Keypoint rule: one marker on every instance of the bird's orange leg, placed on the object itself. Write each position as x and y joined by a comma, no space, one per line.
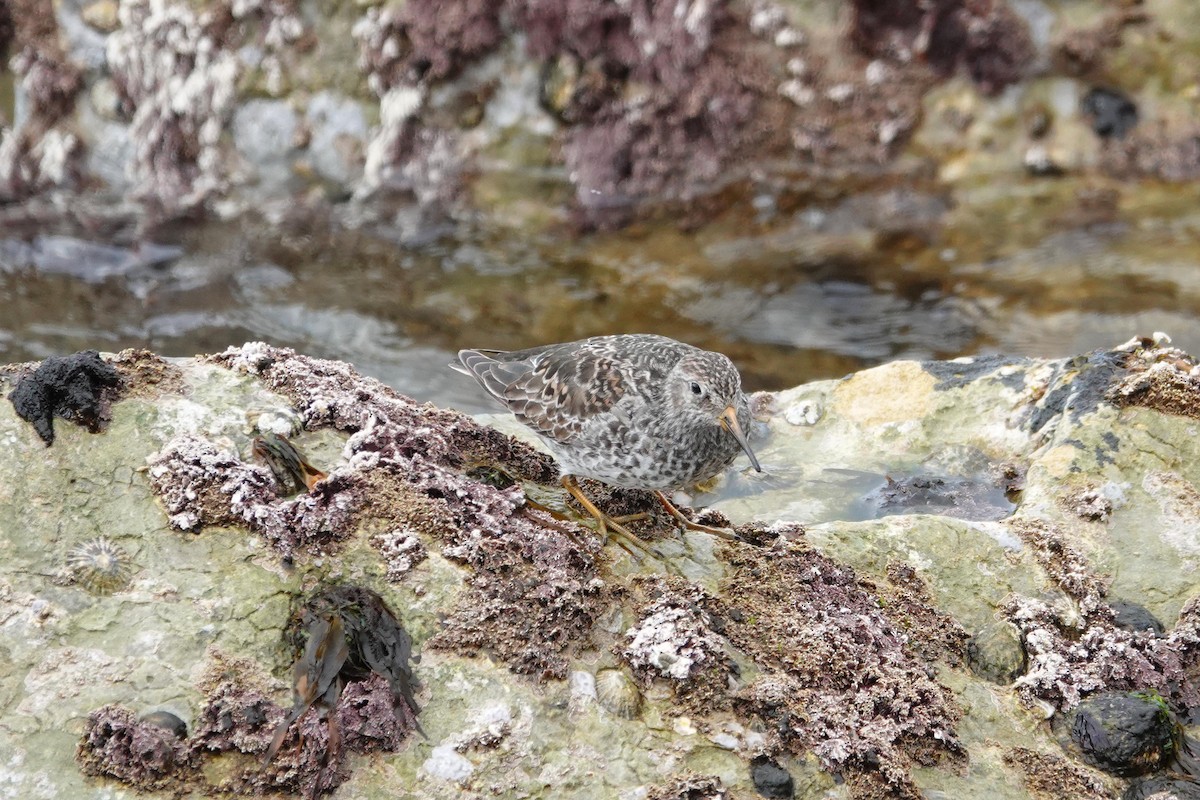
722,533
608,525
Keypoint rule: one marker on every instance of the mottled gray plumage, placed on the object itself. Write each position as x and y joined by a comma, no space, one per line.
639,411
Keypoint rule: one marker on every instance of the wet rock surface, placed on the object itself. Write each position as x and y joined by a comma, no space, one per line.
996,653
1164,788
837,650
1133,617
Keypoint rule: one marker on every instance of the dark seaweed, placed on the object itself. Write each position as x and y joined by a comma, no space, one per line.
71,387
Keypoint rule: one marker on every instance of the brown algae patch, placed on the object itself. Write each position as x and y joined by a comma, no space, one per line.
290,467
837,676
1050,777
535,590
934,636
147,375
353,669
234,730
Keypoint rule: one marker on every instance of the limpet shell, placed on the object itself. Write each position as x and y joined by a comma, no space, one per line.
617,692
100,566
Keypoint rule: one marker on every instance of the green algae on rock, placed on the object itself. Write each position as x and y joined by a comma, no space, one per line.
1125,734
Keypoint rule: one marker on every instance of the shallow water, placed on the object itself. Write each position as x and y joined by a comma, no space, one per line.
791,298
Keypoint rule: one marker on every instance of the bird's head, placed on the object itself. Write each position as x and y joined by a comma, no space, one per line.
707,388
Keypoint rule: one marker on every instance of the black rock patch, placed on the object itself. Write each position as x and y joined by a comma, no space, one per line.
71,387
1112,113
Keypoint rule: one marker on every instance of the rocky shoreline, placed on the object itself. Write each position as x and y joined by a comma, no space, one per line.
965,577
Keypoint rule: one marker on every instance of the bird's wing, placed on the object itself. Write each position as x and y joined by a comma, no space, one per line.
485,366
554,390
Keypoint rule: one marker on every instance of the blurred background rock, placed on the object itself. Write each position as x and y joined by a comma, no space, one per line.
809,186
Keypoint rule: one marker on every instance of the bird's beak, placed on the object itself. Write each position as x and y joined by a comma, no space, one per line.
728,421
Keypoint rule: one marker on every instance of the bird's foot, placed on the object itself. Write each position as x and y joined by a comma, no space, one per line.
613,528
613,531
723,533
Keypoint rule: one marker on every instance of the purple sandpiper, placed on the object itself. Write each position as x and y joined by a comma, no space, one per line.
637,410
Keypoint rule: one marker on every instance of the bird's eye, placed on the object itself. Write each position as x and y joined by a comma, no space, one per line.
696,388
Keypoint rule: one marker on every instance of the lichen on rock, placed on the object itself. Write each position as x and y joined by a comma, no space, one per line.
1071,657
674,638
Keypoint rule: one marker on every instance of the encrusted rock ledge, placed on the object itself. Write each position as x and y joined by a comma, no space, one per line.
961,572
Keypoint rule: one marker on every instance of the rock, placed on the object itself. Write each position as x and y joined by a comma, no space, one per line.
771,780
996,653
1161,787
1113,113
1122,734
1039,162
105,99
339,137
101,15
265,133
446,764
111,152
1133,617
809,647
167,721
